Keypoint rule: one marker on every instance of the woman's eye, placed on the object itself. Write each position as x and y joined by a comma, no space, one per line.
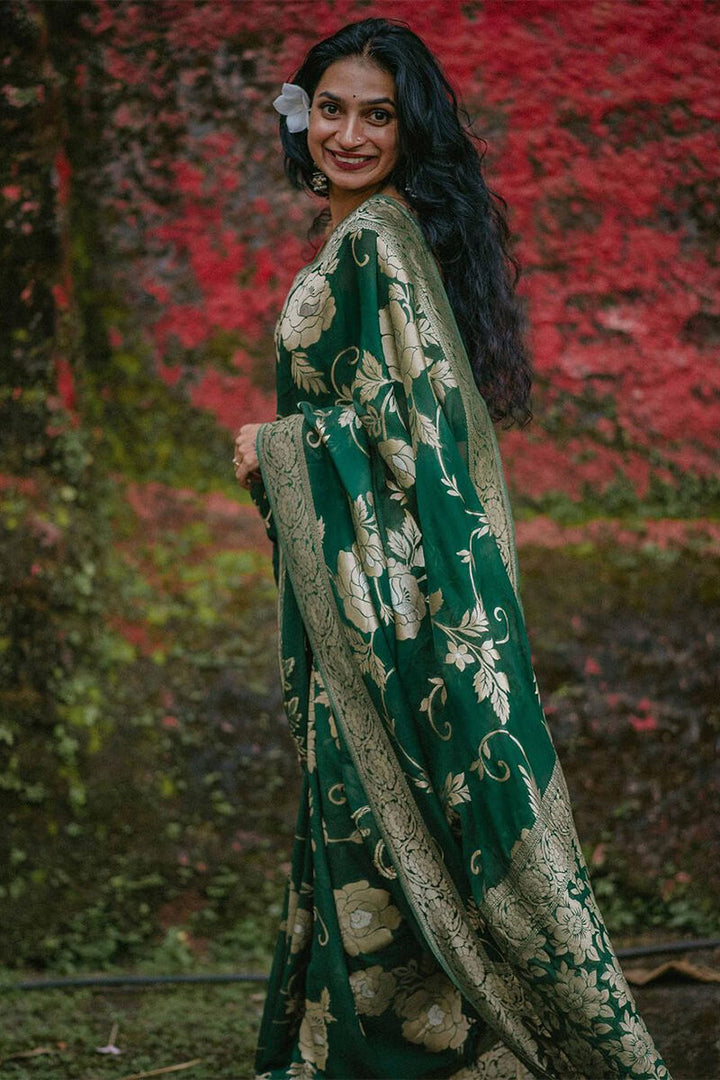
329,109
380,116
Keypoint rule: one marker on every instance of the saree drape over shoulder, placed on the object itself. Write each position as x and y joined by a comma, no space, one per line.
439,921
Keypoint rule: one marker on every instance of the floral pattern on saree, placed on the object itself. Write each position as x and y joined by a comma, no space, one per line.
450,901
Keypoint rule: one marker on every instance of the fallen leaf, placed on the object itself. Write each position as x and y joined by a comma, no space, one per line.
697,972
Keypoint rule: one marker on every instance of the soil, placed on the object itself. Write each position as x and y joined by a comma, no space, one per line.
684,1018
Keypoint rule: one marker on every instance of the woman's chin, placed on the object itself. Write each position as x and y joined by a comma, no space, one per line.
354,185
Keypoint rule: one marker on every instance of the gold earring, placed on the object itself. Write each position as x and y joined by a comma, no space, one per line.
319,182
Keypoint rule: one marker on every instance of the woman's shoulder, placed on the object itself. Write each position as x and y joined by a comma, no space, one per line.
385,215
386,210
378,213
379,224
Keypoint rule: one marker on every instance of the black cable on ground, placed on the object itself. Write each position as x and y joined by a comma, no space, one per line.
73,981
669,947
130,980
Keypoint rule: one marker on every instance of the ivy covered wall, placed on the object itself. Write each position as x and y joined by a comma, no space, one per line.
601,123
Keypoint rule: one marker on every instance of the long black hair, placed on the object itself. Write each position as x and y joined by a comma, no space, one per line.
439,170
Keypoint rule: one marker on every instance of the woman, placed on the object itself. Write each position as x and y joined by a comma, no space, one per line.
439,921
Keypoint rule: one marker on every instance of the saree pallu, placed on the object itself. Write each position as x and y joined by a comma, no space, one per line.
439,921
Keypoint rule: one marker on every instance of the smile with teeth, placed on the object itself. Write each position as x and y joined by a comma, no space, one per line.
350,161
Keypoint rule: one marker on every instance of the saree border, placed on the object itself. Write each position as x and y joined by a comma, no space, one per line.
492,989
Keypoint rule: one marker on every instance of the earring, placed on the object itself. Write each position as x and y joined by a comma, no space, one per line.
319,182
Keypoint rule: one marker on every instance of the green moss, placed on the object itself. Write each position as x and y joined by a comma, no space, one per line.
152,1031
150,432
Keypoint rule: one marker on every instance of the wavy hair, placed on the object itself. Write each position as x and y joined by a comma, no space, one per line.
439,170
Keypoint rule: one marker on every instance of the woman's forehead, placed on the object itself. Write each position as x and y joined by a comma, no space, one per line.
356,77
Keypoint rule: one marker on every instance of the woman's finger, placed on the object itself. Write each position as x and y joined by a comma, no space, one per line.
244,474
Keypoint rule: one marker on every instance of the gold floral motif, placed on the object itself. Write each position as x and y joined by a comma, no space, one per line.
370,663
301,930
291,702
301,1070
496,1064
454,792
305,375
406,542
295,1002
574,931
373,990
515,924
636,1050
596,1064
410,357
403,262
428,705
308,313
425,430
370,378
408,602
318,692
441,377
373,422
312,1038
366,917
298,924
391,261
581,996
351,584
399,458
367,535
406,262
491,683
387,339
618,986
469,643
433,1015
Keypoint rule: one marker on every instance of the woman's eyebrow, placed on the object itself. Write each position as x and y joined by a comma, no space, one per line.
368,101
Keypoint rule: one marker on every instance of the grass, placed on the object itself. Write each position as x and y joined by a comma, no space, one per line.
215,1026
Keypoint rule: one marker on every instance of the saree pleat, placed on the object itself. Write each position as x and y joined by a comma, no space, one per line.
439,904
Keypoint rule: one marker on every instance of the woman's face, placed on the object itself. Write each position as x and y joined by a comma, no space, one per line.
353,133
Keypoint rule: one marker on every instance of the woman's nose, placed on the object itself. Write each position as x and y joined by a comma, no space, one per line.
350,133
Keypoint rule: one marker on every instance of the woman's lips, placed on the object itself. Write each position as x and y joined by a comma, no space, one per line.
349,162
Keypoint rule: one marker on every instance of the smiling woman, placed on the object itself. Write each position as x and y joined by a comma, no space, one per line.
439,920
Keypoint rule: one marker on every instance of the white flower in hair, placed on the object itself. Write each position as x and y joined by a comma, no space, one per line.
294,104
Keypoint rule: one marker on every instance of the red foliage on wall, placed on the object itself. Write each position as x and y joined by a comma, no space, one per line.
65,384
601,121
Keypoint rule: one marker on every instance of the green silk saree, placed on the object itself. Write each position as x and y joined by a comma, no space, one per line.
439,921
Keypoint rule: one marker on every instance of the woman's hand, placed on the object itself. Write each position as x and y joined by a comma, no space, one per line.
247,466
